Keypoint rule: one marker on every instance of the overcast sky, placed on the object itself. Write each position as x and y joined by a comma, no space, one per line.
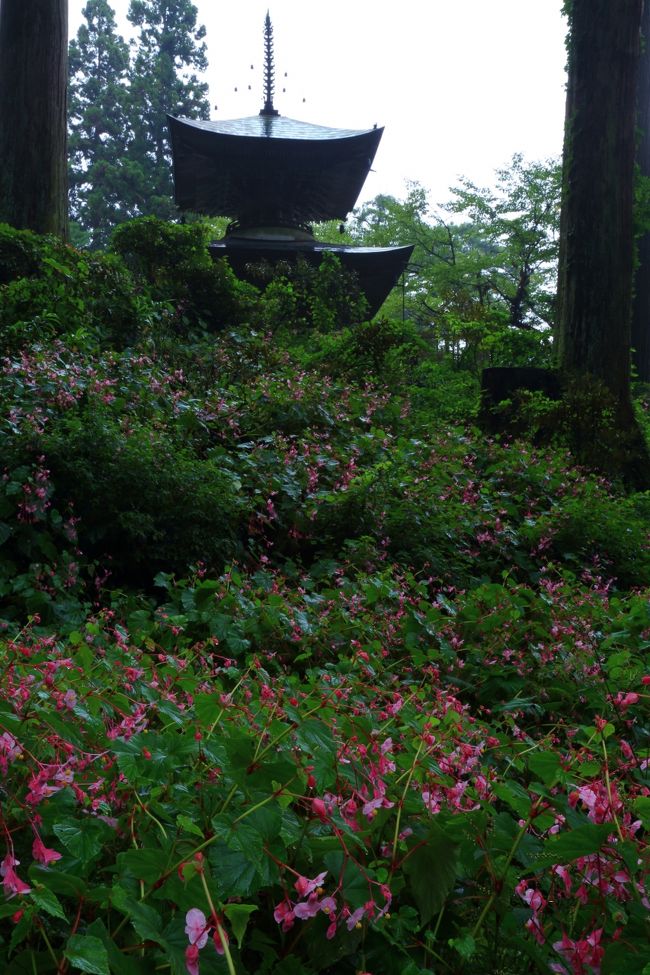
460,85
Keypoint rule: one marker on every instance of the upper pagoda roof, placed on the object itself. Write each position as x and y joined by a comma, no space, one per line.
275,127
268,169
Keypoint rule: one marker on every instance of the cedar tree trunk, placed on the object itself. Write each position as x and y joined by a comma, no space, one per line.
33,83
641,307
597,238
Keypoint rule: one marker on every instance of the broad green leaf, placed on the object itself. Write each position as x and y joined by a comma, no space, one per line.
144,919
49,902
431,871
67,884
234,874
88,954
642,808
187,824
315,739
85,840
546,766
514,795
568,846
622,958
20,931
119,962
239,915
465,946
147,865
354,882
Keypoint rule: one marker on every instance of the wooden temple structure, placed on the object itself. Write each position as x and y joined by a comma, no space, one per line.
275,176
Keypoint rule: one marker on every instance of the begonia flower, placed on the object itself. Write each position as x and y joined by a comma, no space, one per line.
44,854
196,927
192,959
304,886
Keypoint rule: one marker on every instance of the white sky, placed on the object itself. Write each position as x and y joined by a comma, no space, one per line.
460,85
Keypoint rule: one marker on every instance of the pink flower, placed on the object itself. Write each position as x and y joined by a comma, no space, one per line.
220,939
284,915
307,909
196,928
355,918
319,809
10,880
305,886
192,959
43,854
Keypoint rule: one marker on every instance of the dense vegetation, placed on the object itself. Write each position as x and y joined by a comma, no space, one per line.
297,664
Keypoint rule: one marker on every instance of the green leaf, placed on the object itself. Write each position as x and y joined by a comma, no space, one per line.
465,946
20,931
185,823
147,865
579,842
84,841
315,738
119,962
87,953
146,920
515,796
623,958
546,766
49,902
641,807
234,874
238,915
354,883
61,883
431,871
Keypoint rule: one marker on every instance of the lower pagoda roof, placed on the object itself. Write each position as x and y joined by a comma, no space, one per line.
377,268
270,169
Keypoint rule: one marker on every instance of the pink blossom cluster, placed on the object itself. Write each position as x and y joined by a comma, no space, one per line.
311,901
583,956
197,929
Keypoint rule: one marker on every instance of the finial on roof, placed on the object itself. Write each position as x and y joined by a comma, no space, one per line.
269,69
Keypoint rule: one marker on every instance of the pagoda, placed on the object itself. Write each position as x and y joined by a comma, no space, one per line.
273,177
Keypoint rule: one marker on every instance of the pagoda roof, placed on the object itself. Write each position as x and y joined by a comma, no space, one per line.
269,168
377,268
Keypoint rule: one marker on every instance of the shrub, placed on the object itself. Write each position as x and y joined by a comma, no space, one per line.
299,297
173,262
144,502
51,289
19,253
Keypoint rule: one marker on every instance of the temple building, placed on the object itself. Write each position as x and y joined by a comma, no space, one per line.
273,177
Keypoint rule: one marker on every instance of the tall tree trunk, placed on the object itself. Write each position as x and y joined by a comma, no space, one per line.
641,306
33,83
597,245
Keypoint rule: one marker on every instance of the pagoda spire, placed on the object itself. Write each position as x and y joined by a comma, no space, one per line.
269,69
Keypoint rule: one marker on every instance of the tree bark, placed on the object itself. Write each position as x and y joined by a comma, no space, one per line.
33,83
641,305
597,237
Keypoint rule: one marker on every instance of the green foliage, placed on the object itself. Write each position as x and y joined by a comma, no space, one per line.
120,157
19,254
404,732
300,297
173,263
51,289
482,290
144,502
101,167
384,349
